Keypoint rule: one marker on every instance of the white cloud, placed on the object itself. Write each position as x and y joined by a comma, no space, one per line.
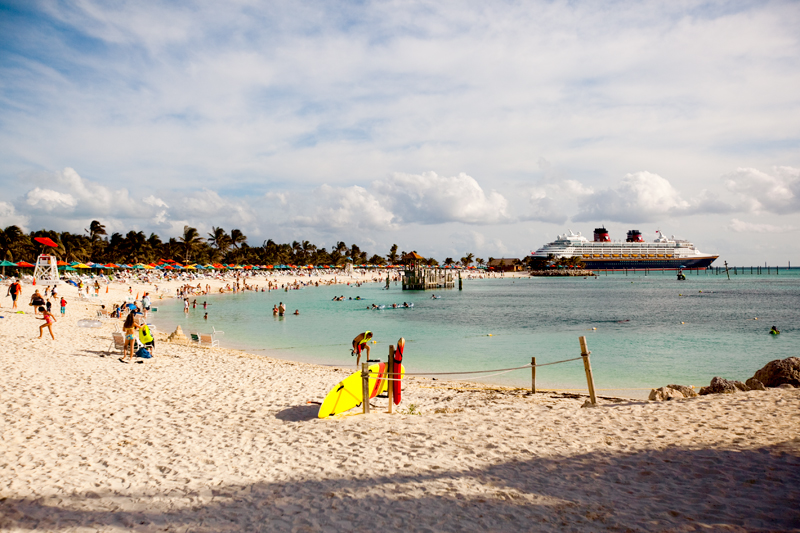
777,191
341,207
740,226
9,216
50,200
155,202
639,197
432,199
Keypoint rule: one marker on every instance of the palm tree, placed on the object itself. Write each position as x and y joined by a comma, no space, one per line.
220,240
237,238
480,261
467,260
191,240
449,261
96,229
392,257
308,250
135,247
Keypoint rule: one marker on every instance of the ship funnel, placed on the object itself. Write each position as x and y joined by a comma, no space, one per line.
601,235
634,235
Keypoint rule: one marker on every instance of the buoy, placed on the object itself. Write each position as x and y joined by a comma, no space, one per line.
683,322
756,318
489,335
594,329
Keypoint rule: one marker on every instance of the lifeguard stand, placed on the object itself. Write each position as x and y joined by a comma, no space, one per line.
46,270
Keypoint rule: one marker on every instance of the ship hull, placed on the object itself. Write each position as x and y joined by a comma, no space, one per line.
694,263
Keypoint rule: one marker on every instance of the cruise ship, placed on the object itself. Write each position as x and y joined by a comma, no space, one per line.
634,252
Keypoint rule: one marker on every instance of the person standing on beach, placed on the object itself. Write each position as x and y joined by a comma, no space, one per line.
63,306
36,301
129,330
145,304
49,320
15,291
359,343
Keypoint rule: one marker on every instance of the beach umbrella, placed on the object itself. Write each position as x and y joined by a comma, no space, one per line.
24,264
46,241
5,263
61,263
66,268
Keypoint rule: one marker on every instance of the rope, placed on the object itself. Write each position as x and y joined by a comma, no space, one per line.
502,370
497,372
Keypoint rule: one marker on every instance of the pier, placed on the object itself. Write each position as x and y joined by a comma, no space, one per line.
420,278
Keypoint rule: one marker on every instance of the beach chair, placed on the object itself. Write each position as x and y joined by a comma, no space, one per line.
215,332
208,339
118,342
195,337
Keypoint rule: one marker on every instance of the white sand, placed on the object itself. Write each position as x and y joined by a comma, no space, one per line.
204,439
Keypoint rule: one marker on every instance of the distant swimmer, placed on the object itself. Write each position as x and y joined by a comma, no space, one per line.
297,311
774,331
359,343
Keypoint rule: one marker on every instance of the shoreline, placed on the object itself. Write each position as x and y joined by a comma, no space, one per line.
217,439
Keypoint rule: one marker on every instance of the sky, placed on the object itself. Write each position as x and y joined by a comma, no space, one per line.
445,127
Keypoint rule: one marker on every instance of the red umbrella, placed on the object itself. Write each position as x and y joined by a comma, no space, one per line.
46,241
23,264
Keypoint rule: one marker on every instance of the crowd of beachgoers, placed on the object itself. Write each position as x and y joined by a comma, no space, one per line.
215,439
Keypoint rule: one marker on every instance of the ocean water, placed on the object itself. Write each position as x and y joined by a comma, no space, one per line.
651,330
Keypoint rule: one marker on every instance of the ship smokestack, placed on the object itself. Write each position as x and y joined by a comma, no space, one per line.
601,235
634,235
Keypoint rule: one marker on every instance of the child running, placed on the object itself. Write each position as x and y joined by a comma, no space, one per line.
49,320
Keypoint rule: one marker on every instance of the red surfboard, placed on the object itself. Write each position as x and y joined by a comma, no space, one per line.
397,368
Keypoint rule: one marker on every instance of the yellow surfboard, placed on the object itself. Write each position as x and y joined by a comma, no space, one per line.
347,393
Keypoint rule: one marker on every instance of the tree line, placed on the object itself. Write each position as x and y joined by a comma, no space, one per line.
219,246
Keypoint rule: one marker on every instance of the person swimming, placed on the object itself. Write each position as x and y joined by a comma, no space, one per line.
774,331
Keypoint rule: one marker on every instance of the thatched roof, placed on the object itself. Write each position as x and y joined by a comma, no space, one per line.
505,261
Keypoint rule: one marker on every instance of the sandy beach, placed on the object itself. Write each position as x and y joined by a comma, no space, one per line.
202,439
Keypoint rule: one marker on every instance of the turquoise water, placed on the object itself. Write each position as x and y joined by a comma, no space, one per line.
651,330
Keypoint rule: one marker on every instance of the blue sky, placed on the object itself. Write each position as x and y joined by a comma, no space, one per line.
445,127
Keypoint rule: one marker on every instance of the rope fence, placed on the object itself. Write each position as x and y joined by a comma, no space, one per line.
390,376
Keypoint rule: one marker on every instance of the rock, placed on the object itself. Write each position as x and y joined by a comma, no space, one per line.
177,335
785,386
719,386
780,371
665,393
688,392
741,386
754,384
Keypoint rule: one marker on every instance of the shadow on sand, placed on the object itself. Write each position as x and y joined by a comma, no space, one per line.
674,489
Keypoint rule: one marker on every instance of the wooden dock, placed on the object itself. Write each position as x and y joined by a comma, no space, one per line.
419,278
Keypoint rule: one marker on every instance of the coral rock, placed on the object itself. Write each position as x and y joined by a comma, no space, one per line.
665,393
719,386
688,392
754,384
780,371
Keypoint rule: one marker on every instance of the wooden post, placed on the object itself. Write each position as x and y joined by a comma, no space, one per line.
533,375
588,367
389,375
365,387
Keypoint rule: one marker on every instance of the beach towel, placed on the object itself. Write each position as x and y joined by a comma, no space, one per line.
143,353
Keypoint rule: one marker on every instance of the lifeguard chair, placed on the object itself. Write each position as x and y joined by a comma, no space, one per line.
46,270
